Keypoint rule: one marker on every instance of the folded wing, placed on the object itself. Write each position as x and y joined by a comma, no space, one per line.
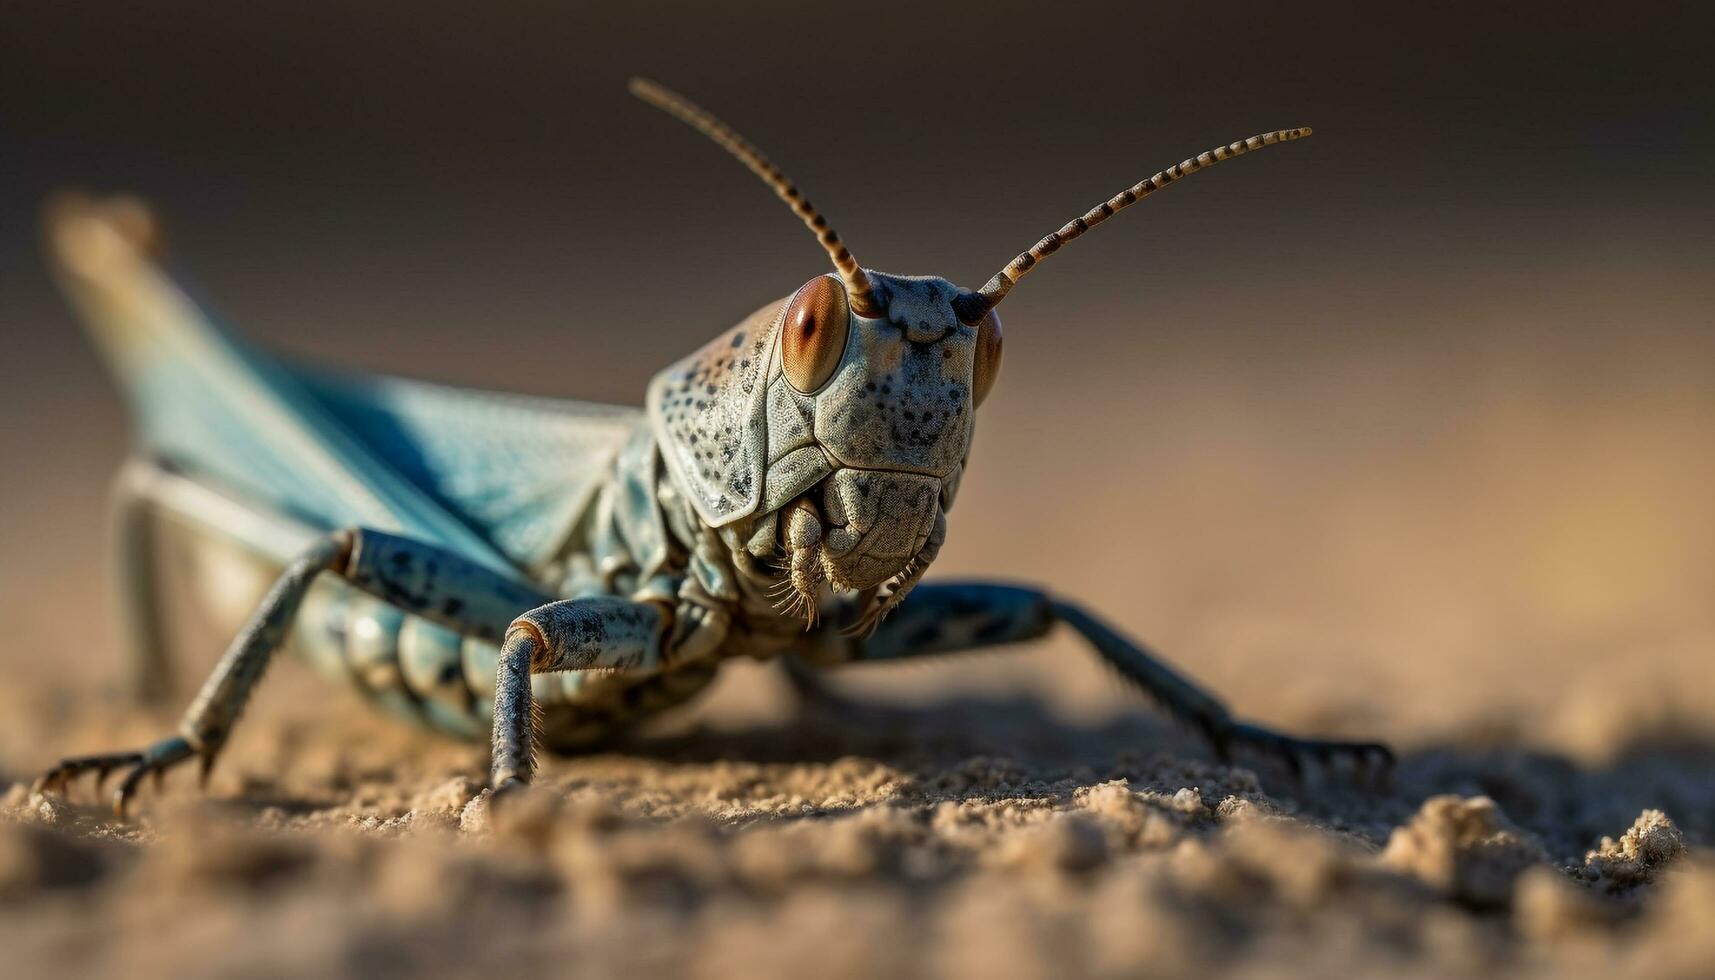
498,478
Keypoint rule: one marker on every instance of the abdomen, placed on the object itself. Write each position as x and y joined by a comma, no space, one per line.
429,675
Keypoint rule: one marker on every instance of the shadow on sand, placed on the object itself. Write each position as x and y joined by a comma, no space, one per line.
1568,806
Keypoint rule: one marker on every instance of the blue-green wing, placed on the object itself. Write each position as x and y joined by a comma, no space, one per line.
520,470
490,476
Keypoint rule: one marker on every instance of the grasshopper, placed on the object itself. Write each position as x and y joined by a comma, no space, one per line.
539,571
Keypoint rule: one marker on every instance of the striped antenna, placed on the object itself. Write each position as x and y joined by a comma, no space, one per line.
996,289
857,283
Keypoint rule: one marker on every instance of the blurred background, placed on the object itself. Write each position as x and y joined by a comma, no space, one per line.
1402,430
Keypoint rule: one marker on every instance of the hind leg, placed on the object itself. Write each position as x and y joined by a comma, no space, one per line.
223,696
136,565
148,500
467,598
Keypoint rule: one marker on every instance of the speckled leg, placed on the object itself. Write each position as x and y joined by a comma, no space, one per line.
574,634
945,618
222,698
423,579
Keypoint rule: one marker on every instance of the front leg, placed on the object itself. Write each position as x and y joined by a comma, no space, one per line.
598,633
948,618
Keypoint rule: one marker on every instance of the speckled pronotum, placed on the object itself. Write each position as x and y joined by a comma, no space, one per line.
539,571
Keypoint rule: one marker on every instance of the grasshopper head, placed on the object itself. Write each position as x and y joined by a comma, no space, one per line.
845,432
837,420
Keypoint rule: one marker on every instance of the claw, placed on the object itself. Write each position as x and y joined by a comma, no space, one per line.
1385,759
58,779
1378,761
153,761
1294,753
128,788
506,793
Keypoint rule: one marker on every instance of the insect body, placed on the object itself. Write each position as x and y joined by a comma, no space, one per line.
535,569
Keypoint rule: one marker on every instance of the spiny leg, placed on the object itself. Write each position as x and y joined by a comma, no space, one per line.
947,618
1182,698
599,633
426,580
223,696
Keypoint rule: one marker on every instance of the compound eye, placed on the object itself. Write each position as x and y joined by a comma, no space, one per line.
817,321
987,367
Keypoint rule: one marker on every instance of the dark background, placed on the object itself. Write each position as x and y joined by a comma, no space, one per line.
1426,398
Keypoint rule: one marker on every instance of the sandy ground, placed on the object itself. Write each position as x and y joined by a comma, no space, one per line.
1499,562
976,837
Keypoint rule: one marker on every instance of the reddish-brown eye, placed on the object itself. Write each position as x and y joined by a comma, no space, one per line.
987,368
817,321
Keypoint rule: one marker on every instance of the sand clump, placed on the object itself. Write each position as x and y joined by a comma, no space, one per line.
1647,847
1464,849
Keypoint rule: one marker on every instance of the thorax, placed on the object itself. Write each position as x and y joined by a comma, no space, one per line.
642,539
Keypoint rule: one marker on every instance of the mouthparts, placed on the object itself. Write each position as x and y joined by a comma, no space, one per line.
874,533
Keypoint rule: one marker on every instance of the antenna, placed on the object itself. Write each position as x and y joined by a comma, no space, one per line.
857,283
